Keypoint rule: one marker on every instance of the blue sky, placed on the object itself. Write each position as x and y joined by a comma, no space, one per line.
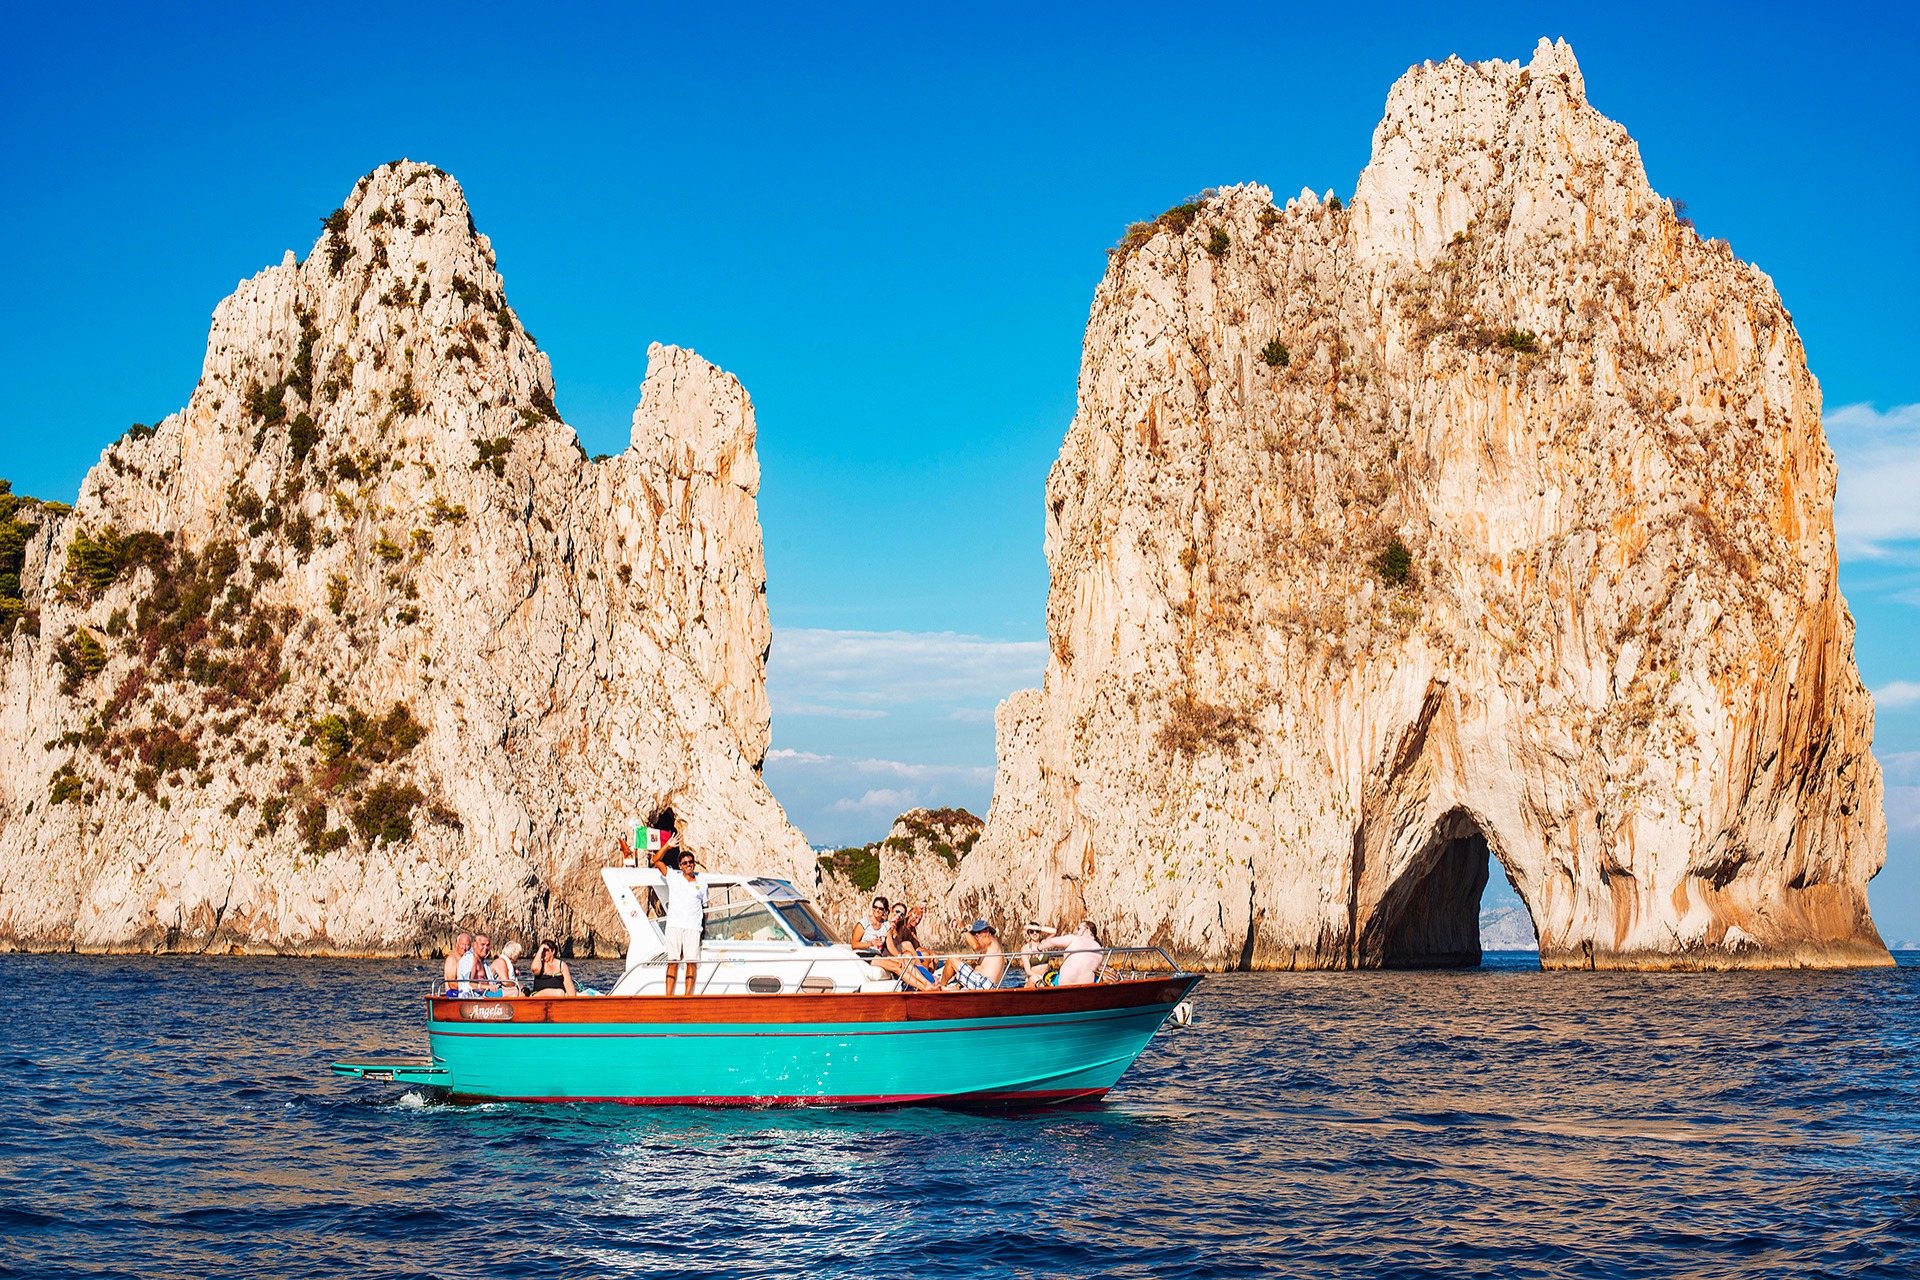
888,223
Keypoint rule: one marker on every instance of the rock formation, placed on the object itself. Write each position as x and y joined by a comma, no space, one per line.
359,646
916,862
1491,511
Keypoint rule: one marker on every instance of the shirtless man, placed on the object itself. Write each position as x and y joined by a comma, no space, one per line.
1082,962
475,968
977,975
461,945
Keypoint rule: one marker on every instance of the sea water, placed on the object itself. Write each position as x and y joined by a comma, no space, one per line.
175,1117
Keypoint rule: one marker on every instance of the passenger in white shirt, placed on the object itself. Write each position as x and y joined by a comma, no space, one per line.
686,894
476,970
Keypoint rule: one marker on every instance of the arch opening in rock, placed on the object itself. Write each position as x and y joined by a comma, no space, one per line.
1431,916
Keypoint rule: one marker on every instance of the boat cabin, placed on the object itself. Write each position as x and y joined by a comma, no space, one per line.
762,937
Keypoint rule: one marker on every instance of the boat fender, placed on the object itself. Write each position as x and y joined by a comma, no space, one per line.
1182,1015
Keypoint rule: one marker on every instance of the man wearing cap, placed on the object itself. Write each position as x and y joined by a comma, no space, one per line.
982,974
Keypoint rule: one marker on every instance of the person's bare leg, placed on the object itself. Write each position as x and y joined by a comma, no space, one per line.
673,976
690,968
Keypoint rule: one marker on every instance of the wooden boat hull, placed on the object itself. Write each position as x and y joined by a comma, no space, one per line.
1013,1047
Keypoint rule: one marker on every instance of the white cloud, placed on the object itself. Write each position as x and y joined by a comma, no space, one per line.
1877,506
1901,771
1897,695
1903,808
884,802
832,713
847,703
890,768
864,669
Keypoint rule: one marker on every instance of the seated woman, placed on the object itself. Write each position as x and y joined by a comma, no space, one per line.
1034,963
905,958
870,931
549,974
504,973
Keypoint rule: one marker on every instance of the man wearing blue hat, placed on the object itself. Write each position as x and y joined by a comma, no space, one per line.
983,974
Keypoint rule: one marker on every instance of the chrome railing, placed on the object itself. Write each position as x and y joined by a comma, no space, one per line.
1117,964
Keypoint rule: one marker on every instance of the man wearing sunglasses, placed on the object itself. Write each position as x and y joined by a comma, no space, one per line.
685,891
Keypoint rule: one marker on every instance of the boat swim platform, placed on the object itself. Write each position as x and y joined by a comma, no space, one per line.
409,1071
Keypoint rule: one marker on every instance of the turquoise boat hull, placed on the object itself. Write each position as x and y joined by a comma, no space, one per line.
1013,1047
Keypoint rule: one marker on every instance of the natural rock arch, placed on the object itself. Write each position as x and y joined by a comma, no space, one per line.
1429,917
1493,491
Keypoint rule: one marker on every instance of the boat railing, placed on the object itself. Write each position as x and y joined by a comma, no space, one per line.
1117,964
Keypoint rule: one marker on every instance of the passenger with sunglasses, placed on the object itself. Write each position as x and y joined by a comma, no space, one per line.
870,931
686,915
903,944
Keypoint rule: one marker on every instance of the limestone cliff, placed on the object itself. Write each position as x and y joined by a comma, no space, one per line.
359,646
1490,511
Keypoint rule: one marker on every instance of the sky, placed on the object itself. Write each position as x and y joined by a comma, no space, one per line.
888,223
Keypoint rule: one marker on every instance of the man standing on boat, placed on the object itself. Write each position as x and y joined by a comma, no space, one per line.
685,891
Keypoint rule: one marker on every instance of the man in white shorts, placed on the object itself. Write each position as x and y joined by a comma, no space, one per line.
686,893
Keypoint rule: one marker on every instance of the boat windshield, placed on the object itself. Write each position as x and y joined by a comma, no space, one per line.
778,890
739,913
800,918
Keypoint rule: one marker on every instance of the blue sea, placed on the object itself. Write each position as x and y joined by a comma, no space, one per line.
174,1117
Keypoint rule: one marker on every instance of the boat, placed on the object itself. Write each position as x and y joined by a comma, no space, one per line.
786,1014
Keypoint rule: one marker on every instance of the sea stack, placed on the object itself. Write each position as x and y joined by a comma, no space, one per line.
1490,511
359,646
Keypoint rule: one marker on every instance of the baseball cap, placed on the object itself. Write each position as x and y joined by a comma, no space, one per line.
979,926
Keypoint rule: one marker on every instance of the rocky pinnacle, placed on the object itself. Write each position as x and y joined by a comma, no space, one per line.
1490,512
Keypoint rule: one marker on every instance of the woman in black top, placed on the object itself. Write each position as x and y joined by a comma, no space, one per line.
549,973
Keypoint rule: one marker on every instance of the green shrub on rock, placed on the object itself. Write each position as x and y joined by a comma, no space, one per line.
81,657
1394,564
493,454
385,813
859,865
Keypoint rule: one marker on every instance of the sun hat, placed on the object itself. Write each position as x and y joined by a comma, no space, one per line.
979,926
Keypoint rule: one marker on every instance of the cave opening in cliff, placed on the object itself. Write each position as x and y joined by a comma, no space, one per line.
1430,918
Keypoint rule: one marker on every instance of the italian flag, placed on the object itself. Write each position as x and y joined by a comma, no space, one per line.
652,839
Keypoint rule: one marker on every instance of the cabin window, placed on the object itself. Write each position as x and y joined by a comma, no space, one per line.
744,920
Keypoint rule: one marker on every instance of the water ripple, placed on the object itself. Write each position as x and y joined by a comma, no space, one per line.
173,1116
